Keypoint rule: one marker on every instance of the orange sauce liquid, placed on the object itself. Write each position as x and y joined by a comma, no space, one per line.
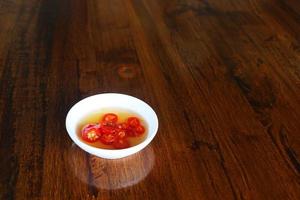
95,117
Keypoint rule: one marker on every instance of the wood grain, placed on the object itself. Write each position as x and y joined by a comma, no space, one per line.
222,75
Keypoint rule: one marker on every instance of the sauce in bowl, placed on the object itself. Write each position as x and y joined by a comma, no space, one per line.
112,129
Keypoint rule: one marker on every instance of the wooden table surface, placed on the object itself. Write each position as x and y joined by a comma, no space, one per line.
222,75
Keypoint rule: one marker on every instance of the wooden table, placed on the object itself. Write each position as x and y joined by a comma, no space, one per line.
222,75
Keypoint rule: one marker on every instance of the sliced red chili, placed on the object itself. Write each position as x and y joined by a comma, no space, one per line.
105,129
133,121
108,138
90,132
121,143
121,134
140,130
110,118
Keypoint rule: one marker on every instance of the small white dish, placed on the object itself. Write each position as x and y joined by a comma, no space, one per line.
111,100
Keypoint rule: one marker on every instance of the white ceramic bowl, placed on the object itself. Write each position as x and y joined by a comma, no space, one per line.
111,100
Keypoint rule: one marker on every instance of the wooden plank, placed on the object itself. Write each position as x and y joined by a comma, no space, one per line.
199,73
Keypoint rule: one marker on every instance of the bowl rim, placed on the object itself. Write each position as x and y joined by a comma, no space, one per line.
89,148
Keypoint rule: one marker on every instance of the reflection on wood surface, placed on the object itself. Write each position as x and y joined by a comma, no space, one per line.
112,174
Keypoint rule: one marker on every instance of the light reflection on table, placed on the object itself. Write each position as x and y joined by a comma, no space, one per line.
111,174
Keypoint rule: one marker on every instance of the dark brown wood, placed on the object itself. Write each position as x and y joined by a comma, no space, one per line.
222,75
